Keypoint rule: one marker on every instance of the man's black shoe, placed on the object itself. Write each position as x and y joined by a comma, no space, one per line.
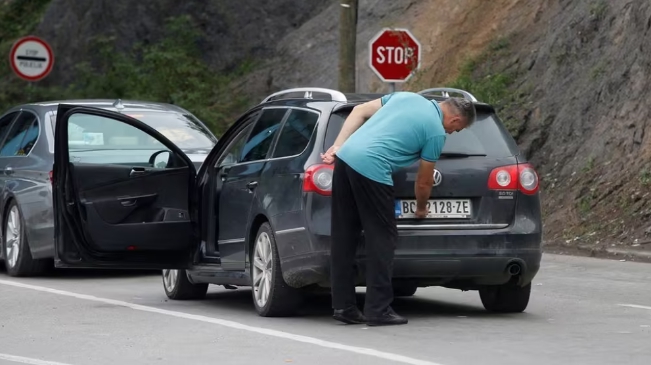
350,315
387,319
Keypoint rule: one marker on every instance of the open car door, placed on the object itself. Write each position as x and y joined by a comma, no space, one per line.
123,193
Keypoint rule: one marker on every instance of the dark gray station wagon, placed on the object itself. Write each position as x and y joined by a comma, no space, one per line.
257,212
27,156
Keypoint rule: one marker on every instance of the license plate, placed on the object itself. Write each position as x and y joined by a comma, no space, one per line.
438,208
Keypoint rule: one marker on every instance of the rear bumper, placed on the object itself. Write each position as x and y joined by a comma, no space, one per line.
458,259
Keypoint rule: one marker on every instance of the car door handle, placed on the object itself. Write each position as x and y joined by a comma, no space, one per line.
252,185
137,171
129,201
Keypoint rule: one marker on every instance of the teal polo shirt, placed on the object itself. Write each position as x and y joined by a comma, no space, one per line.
407,127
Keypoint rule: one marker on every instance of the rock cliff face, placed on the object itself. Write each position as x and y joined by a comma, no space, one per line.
577,74
233,31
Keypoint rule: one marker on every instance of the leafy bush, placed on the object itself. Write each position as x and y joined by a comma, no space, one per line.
171,70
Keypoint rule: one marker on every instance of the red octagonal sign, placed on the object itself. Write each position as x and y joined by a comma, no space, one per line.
395,55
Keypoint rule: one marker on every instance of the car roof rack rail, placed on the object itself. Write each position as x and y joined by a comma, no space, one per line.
446,91
307,94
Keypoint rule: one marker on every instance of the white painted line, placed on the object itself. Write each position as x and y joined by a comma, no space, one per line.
27,360
635,306
227,323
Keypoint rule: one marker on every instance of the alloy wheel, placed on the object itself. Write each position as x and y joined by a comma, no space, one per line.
13,237
169,279
262,269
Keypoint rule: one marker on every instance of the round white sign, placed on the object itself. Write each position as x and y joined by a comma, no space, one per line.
31,58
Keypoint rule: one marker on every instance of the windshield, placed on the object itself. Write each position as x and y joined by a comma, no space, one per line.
486,137
183,130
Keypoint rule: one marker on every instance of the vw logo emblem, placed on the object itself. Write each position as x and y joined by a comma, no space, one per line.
437,177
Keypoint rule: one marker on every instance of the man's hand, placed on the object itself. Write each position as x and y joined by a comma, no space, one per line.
420,214
329,156
423,187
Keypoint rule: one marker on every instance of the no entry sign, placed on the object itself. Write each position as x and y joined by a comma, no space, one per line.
395,55
31,58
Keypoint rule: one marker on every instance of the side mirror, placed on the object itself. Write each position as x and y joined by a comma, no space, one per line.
160,159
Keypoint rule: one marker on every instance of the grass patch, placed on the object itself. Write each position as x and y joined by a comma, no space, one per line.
490,87
598,9
645,177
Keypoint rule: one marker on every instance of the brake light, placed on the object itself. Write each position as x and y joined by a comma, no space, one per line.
51,177
522,177
318,179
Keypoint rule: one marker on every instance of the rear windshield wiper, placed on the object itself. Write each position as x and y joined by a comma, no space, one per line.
461,154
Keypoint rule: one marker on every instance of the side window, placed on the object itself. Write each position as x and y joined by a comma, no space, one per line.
259,141
296,133
233,153
5,123
22,136
96,139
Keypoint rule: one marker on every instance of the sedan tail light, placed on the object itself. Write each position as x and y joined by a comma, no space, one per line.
521,177
318,179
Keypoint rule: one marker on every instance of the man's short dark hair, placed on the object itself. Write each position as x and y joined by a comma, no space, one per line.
464,108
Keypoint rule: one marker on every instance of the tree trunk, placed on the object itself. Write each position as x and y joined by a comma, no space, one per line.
347,45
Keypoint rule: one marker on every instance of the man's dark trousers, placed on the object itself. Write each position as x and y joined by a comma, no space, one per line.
361,203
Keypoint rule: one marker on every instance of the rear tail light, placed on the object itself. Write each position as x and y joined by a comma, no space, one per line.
51,176
522,177
318,179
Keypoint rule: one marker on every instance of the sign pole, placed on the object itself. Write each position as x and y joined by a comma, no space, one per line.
392,87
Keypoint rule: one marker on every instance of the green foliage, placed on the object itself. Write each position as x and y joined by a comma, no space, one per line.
170,71
492,88
18,19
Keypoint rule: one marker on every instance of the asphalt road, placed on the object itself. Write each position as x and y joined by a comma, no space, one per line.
583,311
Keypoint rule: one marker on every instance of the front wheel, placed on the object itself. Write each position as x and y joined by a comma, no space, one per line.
272,297
505,298
178,286
17,254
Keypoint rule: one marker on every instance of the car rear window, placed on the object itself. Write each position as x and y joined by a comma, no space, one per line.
487,136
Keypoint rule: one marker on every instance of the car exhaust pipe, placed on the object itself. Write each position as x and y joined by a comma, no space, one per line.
513,268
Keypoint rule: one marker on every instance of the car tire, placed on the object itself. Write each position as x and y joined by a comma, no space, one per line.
178,287
404,290
505,298
272,297
15,246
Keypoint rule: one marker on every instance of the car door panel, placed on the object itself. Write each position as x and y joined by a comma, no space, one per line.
113,201
121,215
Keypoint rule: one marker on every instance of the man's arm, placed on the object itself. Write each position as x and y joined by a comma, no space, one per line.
360,114
423,186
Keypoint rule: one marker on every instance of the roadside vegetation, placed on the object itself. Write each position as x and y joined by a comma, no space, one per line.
170,70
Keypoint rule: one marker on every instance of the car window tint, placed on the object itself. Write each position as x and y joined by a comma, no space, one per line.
96,139
5,123
259,141
296,133
487,136
22,136
233,153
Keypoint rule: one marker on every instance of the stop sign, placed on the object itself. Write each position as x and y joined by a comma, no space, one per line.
395,55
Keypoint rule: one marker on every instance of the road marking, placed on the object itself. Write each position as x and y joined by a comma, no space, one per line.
27,360
635,306
225,323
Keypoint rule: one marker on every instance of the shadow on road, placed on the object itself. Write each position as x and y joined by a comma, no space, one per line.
90,274
318,306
